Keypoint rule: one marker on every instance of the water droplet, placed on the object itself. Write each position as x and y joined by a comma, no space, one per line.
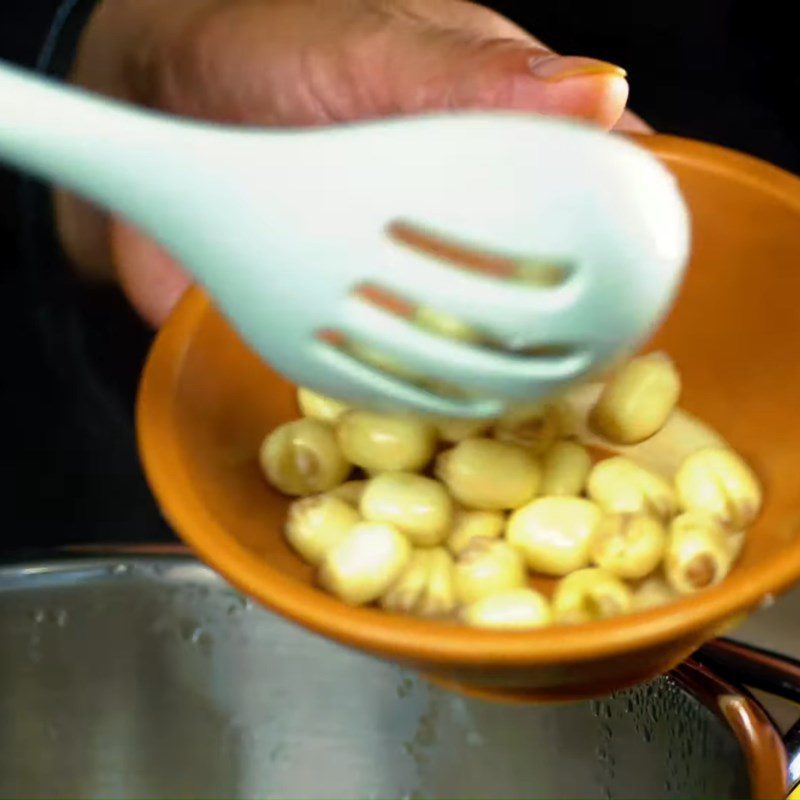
474,739
187,628
120,569
767,600
404,688
202,640
62,616
39,615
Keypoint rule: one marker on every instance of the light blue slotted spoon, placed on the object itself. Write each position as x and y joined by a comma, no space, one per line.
283,228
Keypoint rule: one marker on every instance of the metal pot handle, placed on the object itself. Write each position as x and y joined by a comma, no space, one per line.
767,671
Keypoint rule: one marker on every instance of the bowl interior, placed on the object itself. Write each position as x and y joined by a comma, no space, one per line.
207,401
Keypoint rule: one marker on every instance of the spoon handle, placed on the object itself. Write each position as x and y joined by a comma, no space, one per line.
127,160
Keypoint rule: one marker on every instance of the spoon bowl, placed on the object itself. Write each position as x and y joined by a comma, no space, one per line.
295,233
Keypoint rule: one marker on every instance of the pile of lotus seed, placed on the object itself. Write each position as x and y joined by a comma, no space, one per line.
459,519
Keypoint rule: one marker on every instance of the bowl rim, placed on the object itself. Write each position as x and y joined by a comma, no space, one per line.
410,639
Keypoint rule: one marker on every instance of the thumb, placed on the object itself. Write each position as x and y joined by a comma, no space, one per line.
513,74
507,75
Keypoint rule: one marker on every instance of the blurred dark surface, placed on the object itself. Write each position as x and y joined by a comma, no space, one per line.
714,70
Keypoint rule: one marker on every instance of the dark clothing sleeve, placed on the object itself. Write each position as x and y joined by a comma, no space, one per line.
58,49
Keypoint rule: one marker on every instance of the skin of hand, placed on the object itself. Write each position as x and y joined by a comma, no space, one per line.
302,63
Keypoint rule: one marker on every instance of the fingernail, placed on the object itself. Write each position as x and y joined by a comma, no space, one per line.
559,68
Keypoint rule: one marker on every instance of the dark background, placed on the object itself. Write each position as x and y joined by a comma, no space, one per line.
717,70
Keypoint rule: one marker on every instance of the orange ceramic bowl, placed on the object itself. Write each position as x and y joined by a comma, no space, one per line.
206,402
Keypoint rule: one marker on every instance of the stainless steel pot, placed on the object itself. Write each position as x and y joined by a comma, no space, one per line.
148,676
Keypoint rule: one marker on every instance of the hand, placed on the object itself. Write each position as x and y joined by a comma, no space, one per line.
308,62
